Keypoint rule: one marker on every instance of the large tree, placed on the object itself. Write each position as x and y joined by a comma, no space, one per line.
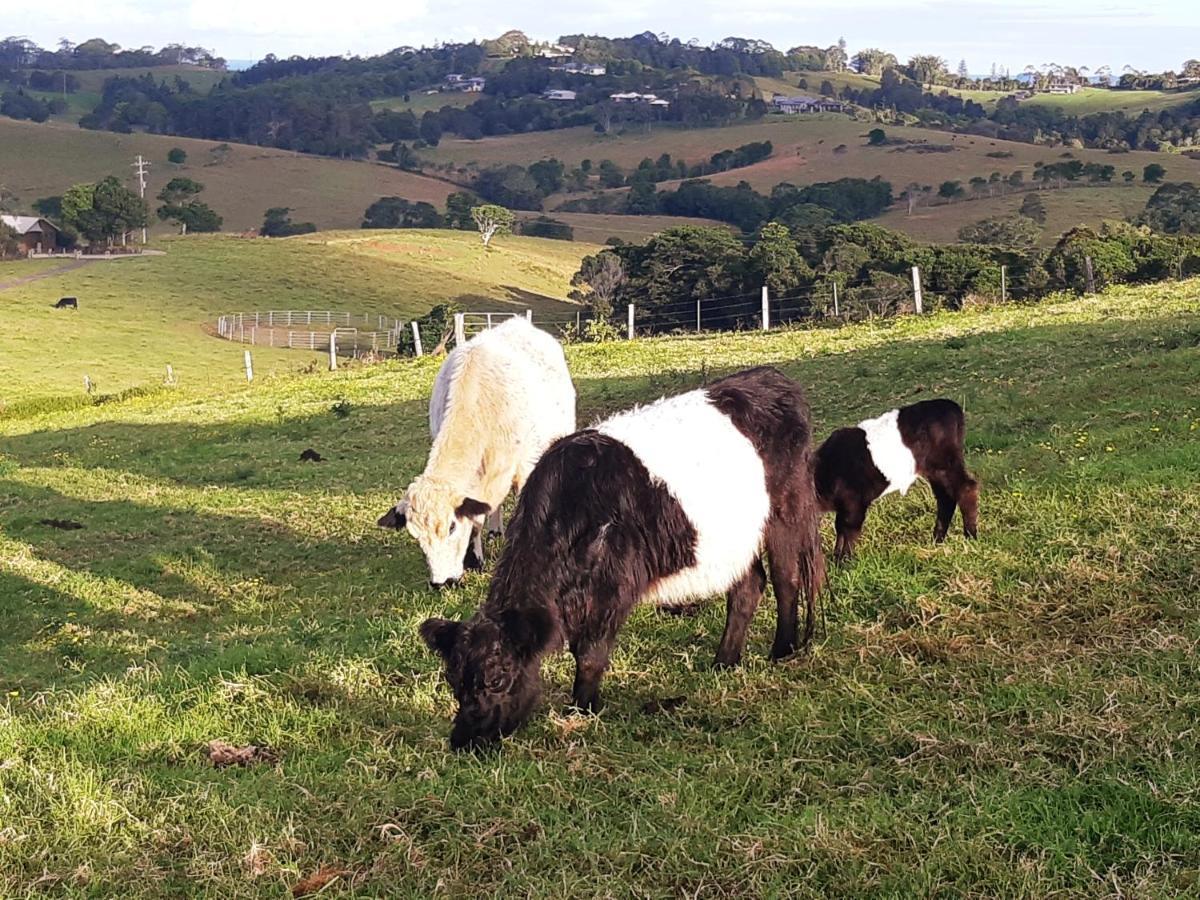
1017,232
103,211
181,206
597,282
775,262
927,69
492,220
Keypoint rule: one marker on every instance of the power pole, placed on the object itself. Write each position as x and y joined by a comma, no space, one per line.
140,166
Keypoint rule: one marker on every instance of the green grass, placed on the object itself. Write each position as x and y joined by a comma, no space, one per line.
1096,100
1009,717
138,316
40,160
420,102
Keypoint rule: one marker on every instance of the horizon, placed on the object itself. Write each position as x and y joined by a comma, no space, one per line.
1018,33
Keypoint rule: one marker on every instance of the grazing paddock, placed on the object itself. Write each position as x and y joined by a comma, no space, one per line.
1011,716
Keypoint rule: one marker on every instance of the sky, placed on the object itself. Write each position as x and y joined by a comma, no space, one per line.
1153,35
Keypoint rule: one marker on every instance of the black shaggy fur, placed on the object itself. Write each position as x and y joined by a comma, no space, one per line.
67,303
847,481
592,531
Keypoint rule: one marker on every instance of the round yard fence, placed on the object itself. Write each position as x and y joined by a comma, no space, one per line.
309,329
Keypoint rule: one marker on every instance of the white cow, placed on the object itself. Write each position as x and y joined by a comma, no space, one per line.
498,402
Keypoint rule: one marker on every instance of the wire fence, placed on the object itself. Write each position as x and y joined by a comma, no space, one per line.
308,329
833,298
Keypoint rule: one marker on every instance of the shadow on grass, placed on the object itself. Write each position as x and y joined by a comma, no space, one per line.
227,576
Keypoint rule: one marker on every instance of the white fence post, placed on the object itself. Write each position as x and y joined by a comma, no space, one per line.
766,310
417,338
1004,283
459,329
630,329
529,315
836,313
249,367
170,375
333,350
916,273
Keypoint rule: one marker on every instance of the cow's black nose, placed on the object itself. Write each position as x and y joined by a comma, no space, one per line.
449,582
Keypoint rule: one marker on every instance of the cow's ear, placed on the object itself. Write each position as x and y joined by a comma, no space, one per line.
471,508
527,630
396,517
440,635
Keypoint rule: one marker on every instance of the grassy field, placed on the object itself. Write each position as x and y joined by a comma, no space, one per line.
136,316
1009,717
420,102
43,160
1096,100
1065,209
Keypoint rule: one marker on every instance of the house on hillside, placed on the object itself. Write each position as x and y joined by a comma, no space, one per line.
557,94
1061,87
805,104
634,97
36,235
459,82
590,69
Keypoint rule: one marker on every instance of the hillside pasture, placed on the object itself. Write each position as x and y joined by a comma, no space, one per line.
40,160
1012,716
1087,101
138,315
1065,209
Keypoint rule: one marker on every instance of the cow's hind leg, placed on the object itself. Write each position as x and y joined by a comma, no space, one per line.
591,662
945,494
968,502
741,603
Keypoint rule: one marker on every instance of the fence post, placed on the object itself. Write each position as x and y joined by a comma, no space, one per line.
1004,284
249,367
489,319
529,315
1091,275
170,375
697,315
836,313
459,330
916,273
88,387
766,310
630,328
578,322
333,350
417,337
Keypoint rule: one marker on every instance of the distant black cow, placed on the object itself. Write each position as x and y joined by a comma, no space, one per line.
664,504
857,466
67,303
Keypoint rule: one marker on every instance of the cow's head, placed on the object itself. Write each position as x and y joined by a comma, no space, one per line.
493,667
441,519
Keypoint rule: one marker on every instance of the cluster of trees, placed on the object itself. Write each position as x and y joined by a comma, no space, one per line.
1174,126
103,212
1173,209
823,203
17,104
277,222
870,265
17,53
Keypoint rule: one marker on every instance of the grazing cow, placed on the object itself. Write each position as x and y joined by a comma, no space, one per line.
67,303
498,401
665,503
857,466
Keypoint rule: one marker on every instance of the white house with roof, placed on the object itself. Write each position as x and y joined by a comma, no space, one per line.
634,97
558,94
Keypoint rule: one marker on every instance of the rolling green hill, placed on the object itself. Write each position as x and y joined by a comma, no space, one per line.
1011,716
240,182
138,315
